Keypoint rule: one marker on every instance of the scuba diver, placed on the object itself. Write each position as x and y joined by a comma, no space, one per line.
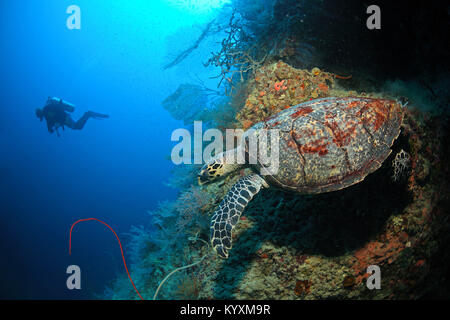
56,113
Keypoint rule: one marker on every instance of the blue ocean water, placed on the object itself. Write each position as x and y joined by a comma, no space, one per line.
113,169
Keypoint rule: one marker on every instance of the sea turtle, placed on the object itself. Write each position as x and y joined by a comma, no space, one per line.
324,145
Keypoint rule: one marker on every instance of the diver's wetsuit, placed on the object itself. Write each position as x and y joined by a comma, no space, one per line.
57,115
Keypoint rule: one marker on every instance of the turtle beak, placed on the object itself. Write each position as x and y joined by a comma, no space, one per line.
203,177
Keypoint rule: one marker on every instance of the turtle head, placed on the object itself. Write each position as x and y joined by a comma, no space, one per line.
209,172
216,168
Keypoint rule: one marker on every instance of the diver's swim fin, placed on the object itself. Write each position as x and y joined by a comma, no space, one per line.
98,115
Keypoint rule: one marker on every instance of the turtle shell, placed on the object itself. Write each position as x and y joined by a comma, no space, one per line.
331,143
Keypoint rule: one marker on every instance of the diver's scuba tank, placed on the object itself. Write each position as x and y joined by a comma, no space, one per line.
54,100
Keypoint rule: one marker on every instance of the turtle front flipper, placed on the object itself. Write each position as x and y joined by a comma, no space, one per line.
230,209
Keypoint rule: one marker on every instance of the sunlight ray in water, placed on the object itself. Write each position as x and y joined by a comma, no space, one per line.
199,6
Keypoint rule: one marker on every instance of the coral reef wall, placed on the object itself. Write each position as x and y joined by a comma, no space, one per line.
292,246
